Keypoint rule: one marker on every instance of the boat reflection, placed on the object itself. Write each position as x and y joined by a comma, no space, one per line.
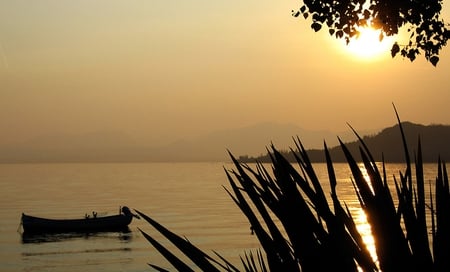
124,235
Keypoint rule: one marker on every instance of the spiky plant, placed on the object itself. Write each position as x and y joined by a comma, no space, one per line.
300,230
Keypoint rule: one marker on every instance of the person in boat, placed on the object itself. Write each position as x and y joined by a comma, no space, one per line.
126,211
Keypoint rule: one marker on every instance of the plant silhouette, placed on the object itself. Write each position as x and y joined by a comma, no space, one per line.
300,229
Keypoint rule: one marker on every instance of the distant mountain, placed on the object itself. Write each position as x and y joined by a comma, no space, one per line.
113,146
251,140
435,143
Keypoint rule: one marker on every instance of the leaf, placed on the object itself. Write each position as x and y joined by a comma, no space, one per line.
331,31
412,54
395,49
366,14
404,52
192,252
434,60
157,268
339,34
347,29
302,9
174,260
419,38
316,26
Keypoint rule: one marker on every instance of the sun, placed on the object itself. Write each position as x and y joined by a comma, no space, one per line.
368,46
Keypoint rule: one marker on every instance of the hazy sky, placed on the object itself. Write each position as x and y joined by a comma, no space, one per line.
162,70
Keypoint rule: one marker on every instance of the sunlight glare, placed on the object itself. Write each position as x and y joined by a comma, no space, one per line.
368,45
366,233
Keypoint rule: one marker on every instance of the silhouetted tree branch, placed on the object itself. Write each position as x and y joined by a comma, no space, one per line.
422,18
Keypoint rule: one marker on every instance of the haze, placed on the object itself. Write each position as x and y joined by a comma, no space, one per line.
161,71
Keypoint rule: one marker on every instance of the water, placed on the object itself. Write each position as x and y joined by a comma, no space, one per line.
188,198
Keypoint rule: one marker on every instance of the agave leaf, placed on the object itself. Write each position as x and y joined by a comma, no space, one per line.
363,144
363,188
391,244
375,180
240,201
303,229
356,247
441,241
246,264
271,248
420,207
305,163
416,226
277,249
433,218
160,269
195,254
251,261
322,243
254,264
175,261
405,145
268,190
331,173
228,266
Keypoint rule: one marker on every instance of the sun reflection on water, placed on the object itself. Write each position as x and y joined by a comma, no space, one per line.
366,232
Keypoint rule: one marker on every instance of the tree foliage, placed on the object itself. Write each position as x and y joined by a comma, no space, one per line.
422,19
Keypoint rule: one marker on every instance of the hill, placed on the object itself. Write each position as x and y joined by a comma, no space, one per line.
250,140
388,143
113,146
118,146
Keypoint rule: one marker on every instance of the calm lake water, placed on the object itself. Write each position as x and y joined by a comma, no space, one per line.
188,198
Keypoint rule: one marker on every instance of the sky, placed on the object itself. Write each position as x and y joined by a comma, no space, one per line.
166,70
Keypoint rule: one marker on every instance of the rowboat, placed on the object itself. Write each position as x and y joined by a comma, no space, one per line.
32,224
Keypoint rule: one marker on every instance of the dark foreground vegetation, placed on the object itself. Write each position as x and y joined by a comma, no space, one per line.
301,229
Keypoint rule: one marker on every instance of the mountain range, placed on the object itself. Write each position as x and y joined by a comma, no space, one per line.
250,141
387,145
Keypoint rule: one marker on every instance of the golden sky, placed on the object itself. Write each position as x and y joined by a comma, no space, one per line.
161,70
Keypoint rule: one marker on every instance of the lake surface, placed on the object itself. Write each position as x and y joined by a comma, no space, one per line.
188,198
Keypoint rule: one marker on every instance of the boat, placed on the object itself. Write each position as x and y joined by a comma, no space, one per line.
90,223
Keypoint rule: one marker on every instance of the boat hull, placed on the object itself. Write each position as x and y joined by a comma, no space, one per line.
32,224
